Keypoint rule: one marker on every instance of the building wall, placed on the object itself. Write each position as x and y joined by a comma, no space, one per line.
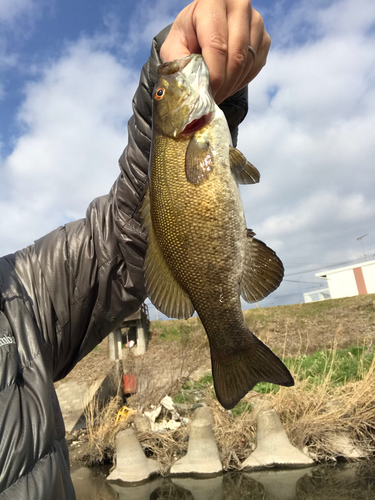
342,284
369,275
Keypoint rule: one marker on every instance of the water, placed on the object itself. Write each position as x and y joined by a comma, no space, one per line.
340,482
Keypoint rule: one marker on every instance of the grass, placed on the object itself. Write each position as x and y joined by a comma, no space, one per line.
176,330
328,347
341,365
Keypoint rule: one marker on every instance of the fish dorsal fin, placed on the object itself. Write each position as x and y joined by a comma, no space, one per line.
263,270
244,171
198,160
162,288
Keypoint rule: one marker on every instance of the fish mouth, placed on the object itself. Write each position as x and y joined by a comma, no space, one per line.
200,100
197,124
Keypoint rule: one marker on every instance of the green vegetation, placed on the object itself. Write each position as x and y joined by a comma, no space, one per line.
338,366
191,391
341,365
335,366
174,331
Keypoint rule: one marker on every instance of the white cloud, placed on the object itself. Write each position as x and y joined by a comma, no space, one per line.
309,131
148,20
17,21
74,120
11,9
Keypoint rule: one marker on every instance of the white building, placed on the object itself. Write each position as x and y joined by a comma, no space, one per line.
357,279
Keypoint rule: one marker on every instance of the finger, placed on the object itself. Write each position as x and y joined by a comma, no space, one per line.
239,21
181,40
257,65
261,42
210,21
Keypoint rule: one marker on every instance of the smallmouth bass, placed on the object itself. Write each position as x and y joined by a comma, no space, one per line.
201,256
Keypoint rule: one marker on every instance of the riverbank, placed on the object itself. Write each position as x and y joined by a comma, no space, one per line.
329,413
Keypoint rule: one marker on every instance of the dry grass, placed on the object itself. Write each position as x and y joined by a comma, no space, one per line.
100,424
311,414
311,417
165,367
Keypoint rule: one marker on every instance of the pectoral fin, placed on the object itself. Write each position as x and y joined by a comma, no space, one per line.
244,171
162,288
237,374
198,160
263,270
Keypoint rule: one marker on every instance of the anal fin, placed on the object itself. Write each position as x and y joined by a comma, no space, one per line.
263,270
243,171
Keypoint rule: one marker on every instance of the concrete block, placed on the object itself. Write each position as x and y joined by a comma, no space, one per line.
132,465
203,455
273,446
279,485
202,489
74,398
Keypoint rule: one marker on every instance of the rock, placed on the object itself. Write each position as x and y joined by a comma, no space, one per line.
273,446
343,445
142,423
203,455
132,465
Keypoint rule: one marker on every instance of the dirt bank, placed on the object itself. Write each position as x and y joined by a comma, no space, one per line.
178,356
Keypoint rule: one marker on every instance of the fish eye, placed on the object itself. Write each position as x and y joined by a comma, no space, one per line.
159,94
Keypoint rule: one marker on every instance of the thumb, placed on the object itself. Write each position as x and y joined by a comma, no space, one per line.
174,47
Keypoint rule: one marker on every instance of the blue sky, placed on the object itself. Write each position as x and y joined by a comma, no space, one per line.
68,71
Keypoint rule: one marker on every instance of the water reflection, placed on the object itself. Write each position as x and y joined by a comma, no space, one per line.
348,482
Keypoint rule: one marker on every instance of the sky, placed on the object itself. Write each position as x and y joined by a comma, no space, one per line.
68,71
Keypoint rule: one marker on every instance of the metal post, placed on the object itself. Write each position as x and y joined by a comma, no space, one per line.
115,344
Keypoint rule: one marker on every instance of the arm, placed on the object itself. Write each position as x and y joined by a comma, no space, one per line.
83,279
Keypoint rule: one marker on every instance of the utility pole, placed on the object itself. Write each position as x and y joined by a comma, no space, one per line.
363,248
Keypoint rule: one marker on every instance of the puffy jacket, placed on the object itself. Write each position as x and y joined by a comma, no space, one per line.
60,297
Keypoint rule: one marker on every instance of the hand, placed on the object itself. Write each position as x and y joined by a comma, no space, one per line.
221,30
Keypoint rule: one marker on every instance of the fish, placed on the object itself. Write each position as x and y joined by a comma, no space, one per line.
201,257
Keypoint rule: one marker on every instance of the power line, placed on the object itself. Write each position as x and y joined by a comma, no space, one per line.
358,259
297,281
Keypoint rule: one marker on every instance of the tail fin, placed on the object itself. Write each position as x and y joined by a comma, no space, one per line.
238,374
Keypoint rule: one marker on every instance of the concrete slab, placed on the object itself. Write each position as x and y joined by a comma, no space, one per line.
273,446
132,465
74,398
203,455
